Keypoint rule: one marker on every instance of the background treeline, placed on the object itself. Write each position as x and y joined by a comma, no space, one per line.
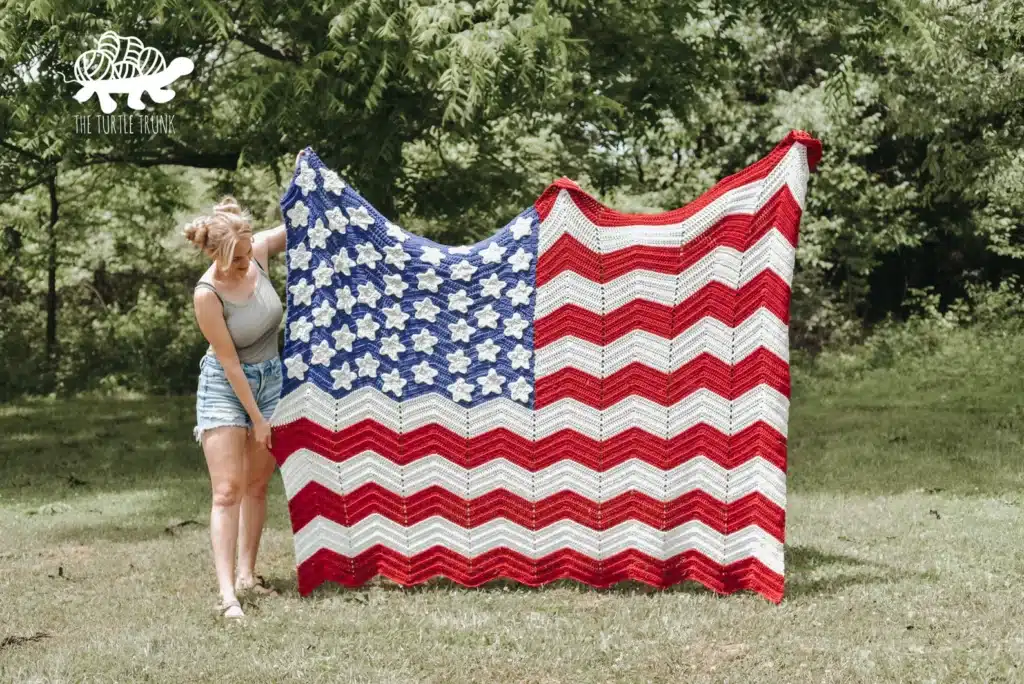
453,116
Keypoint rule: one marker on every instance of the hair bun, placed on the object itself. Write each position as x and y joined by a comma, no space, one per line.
195,231
228,205
218,232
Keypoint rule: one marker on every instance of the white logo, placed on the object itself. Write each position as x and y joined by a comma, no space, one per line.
124,65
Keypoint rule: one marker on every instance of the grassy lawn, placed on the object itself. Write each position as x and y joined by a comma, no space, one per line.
904,559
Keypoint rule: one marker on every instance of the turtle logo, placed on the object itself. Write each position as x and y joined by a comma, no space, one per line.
122,64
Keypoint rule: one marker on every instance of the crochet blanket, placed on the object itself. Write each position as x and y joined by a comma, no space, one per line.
586,394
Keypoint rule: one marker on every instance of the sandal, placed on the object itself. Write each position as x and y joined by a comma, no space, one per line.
259,586
230,609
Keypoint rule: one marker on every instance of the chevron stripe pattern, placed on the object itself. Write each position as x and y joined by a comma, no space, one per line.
586,394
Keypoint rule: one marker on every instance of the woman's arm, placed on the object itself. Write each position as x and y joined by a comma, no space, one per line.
210,316
267,243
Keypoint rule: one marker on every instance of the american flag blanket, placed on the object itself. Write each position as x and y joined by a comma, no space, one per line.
586,394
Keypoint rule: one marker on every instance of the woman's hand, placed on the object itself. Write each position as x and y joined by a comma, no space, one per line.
299,156
261,432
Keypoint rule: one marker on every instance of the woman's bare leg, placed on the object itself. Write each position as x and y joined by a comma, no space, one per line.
224,448
259,468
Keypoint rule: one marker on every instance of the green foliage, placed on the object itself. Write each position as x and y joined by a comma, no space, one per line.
21,333
984,316
452,116
146,347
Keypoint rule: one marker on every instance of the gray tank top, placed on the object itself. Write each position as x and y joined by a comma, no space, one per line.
253,324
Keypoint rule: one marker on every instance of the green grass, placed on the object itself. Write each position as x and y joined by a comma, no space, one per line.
904,558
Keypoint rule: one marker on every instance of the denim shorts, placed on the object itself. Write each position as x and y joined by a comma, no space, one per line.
216,402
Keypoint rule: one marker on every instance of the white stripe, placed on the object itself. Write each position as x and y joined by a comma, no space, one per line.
722,265
707,336
702,406
751,541
566,218
696,474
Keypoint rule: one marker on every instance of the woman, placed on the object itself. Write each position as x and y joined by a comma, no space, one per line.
239,313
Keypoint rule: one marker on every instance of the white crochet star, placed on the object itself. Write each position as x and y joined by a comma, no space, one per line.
520,294
305,178
318,235
520,390
393,382
458,362
343,376
487,317
423,373
424,341
426,310
391,347
368,255
300,329
323,314
459,301
432,256
463,270
367,366
324,274
396,318
298,215
345,300
321,354
522,227
359,216
396,256
491,383
298,257
461,249
461,330
368,295
332,183
492,253
520,261
493,285
519,357
343,262
344,337
395,286
461,390
302,293
487,351
296,367
429,281
395,232
515,326
336,220
367,328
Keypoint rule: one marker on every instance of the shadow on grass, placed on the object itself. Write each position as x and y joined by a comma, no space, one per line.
802,562
179,508
59,449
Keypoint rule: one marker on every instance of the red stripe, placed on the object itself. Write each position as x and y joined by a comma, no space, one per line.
636,379
766,290
749,573
315,500
760,439
603,215
737,231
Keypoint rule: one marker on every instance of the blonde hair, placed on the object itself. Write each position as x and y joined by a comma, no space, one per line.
219,232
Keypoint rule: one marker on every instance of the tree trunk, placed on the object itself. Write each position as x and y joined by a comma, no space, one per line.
51,288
